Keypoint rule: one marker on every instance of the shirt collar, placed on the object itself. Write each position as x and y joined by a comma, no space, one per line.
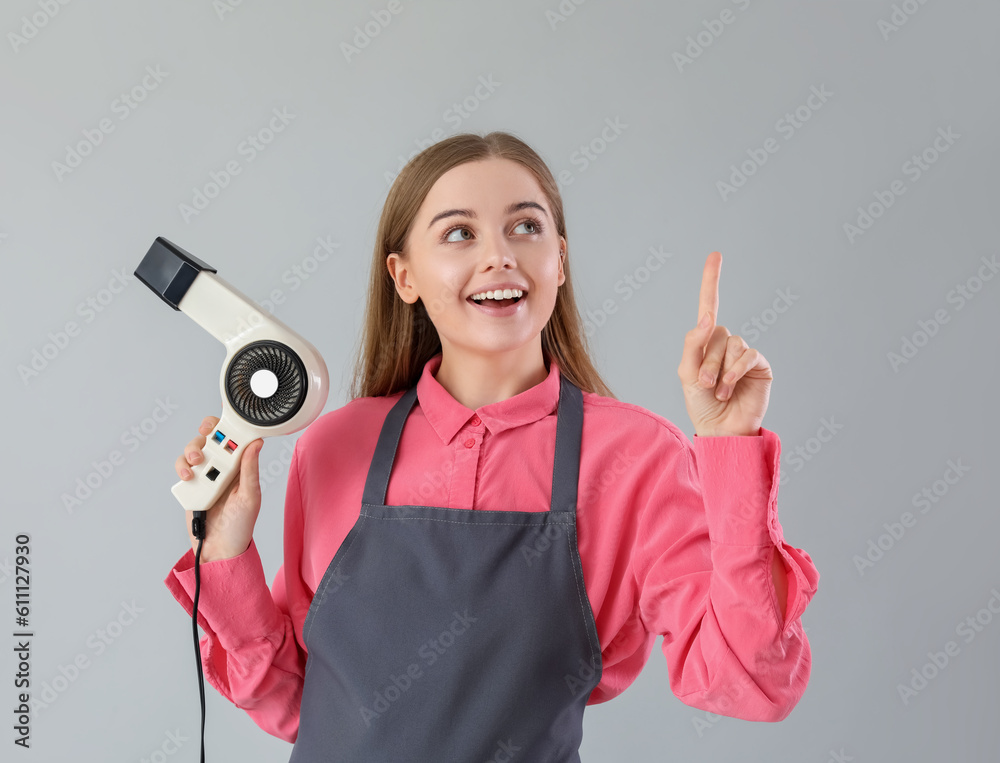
446,415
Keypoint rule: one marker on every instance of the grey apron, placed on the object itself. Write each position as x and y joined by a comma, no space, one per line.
452,635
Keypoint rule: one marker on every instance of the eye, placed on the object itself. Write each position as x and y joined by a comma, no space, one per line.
535,228
447,233
536,225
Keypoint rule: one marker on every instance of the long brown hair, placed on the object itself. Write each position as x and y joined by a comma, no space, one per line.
399,338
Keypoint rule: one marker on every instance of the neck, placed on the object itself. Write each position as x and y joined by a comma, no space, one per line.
476,379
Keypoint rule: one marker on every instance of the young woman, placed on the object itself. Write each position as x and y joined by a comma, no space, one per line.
484,540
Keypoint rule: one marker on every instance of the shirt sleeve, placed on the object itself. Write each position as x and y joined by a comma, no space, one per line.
707,537
250,652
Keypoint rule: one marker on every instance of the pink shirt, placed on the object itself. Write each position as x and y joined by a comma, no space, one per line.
676,539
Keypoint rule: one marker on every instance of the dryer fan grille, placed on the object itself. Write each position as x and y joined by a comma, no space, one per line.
287,367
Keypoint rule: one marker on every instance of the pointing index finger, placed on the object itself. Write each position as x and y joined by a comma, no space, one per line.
709,300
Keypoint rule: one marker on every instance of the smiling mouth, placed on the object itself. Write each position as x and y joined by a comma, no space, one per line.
497,302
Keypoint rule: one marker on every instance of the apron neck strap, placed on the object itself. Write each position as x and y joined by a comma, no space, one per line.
565,469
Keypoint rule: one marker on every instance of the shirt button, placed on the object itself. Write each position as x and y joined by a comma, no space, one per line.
469,443
476,421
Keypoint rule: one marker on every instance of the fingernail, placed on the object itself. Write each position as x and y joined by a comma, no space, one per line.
187,474
708,378
705,320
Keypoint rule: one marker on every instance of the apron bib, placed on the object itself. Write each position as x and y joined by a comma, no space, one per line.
452,635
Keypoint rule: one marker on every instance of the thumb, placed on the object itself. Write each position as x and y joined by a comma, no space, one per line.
250,466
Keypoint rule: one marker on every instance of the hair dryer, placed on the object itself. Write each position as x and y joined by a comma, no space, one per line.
273,381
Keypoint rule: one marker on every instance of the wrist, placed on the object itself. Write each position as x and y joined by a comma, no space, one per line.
722,433
212,553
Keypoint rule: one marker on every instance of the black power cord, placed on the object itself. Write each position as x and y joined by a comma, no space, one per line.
198,530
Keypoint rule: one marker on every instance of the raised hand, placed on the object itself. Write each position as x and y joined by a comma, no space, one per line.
726,383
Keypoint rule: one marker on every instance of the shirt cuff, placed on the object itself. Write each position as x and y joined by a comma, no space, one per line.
235,602
739,477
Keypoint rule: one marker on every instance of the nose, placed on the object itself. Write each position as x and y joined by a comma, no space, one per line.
497,252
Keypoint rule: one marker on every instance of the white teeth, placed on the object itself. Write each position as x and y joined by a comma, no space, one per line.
498,294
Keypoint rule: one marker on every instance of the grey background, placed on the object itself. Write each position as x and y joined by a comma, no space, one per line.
63,239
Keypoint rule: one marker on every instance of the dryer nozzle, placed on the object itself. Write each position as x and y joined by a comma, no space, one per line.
168,270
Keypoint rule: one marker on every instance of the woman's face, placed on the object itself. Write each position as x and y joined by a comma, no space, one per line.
483,223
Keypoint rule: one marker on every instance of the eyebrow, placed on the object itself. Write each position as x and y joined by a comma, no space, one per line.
511,208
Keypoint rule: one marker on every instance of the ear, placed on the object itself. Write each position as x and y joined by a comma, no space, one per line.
401,277
562,259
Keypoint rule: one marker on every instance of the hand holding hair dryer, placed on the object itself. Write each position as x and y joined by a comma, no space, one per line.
273,381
